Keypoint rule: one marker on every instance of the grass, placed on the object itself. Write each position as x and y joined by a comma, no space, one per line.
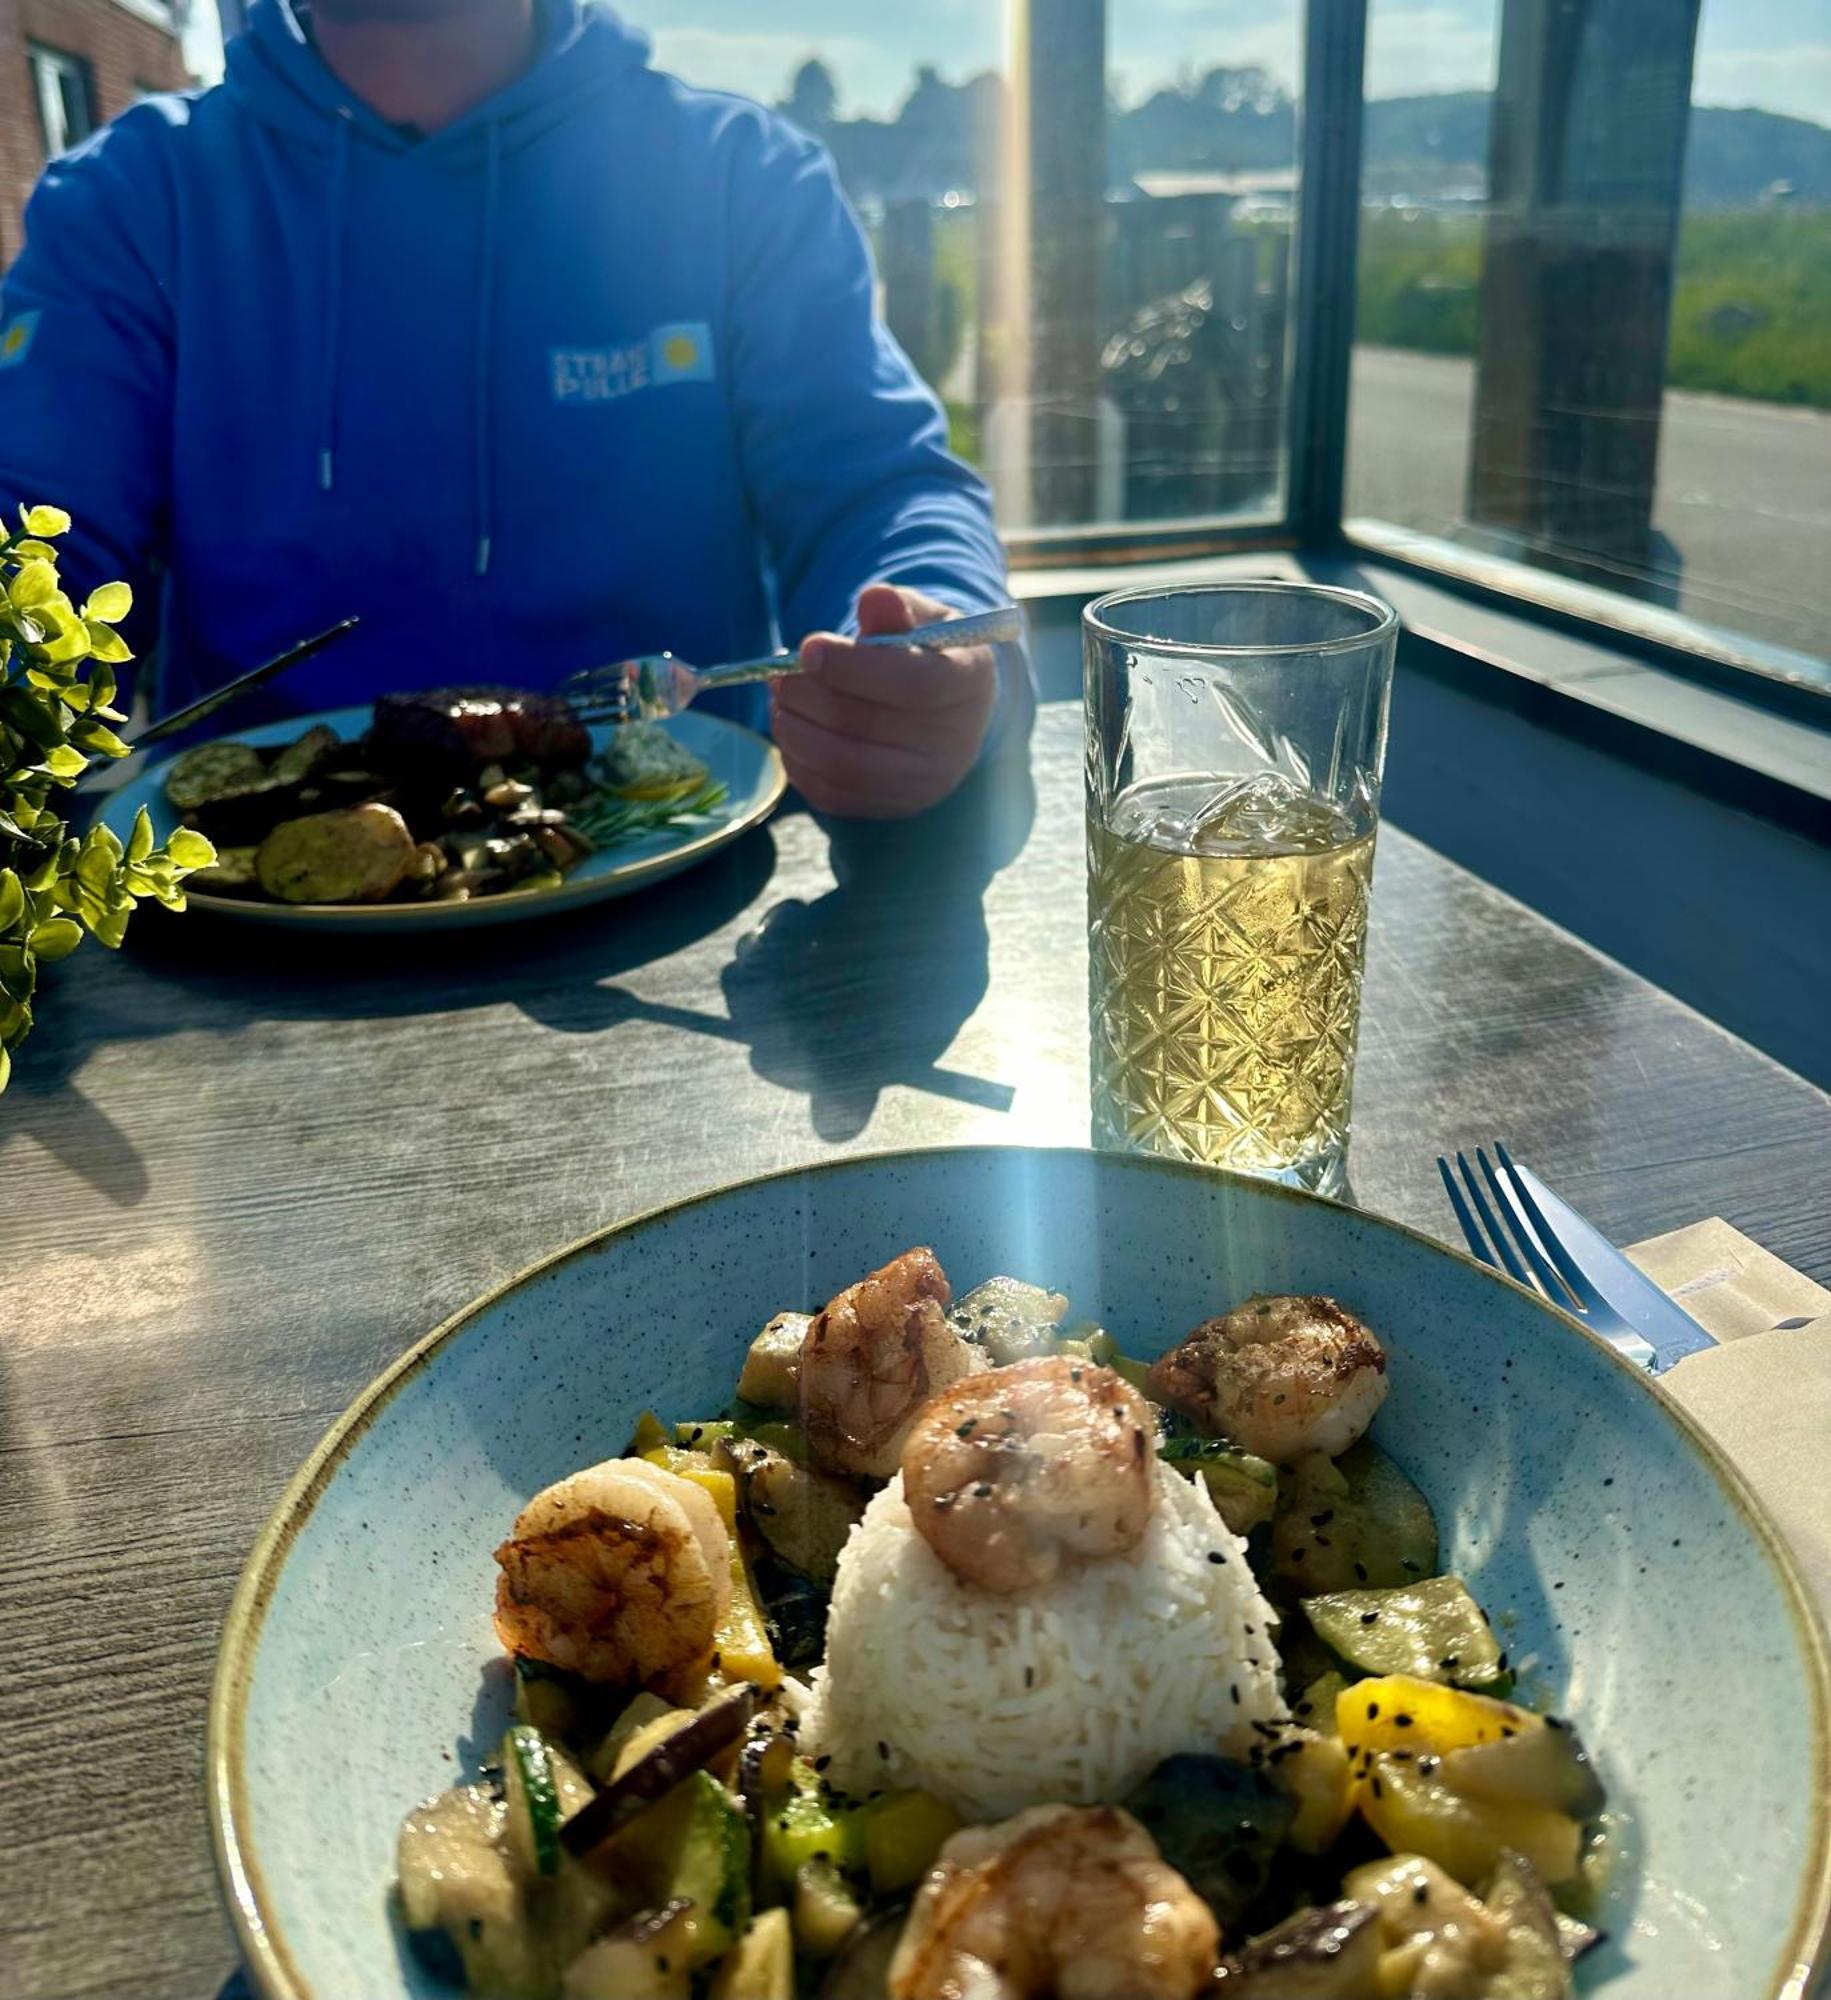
1751,315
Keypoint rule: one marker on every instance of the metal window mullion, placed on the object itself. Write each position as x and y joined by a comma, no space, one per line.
1328,238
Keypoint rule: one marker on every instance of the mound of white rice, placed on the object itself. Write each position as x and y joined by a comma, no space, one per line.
1070,1694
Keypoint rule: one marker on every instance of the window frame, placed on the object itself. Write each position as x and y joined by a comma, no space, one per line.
50,68
1331,116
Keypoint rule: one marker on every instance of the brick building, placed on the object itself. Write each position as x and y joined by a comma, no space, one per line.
67,66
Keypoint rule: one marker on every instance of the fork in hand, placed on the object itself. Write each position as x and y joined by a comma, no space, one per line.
658,685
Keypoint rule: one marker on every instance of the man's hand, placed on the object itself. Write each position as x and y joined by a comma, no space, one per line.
879,732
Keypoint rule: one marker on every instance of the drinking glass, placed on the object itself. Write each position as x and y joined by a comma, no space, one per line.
1235,739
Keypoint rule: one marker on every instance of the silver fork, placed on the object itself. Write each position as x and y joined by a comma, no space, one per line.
657,685
1547,1266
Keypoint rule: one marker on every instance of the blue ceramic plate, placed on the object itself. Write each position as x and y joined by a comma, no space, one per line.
749,768
1609,1541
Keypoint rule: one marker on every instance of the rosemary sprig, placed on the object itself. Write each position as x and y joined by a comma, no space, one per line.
605,819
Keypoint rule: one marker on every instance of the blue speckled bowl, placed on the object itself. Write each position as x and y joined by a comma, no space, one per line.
1606,1537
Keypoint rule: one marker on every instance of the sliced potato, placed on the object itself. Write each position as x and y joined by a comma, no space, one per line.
355,856
214,771
304,755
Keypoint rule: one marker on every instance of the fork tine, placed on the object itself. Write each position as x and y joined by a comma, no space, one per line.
1526,1233
1503,1248
1575,1283
1471,1230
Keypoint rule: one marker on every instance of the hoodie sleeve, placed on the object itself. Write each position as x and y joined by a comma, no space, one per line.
85,391
844,447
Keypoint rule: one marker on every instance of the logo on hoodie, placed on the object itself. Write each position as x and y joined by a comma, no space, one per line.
681,351
16,338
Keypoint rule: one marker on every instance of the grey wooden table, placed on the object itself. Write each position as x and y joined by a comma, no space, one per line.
240,1178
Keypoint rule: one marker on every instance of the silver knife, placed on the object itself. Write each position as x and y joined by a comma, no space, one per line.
1667,1328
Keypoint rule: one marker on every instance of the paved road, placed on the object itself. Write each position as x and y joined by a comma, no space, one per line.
1744,488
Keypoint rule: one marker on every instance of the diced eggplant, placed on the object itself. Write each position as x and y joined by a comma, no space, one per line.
795,1608
1218,1823
647,1959
1352,1521
1327,1954
772,1368
1434,1630
804,1515
353,856
1009,1319
715,1728
456,1880
213,771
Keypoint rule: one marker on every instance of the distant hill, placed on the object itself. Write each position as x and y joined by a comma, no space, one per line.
1732,157
946,136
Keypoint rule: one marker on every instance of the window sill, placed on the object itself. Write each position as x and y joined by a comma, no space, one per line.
1750,753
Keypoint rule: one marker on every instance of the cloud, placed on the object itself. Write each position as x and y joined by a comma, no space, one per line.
1796,80
1412,51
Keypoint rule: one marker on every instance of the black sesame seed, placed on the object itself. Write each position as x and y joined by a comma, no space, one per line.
1360,1571
1406,1562
1306,1708
1559,1584
1323,1519
982,1491
1421,1894
1500,1665
1029,1677
1323,1542
1215,1556
966,1429
1297,1555
1508,1731
1450,1662
1233,1689
822,1761
1610,1480
883,1750
1401,1721
1373,1711
1370,1617
1379,1790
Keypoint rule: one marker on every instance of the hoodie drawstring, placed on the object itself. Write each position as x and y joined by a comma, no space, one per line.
333,309
486,316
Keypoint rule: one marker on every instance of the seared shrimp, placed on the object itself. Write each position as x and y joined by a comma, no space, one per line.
1069,1901
1279,1376
1009,1472
871,1360
620,1573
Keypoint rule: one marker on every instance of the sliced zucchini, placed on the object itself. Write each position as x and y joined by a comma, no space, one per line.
826,1912
642,1709
1244,1488
456,1883
1433,1630
694,1846
804,1824
532,1792
656,1771
1355,1521
648,1959
761,1965
214,771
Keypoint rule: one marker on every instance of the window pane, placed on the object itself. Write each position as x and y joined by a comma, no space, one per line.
1594,325
65,107
1081,211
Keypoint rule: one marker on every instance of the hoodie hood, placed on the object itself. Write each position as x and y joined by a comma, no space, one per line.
286,86
273,70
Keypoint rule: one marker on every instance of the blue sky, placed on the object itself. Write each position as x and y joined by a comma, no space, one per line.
1774,53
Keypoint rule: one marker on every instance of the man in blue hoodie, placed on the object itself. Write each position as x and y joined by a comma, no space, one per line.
456,315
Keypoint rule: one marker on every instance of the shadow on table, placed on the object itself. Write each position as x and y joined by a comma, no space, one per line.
867,986
200,974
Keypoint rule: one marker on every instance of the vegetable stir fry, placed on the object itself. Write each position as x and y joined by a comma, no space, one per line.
965,1657
452,794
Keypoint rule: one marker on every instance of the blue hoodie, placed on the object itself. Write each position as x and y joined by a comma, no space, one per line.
592,371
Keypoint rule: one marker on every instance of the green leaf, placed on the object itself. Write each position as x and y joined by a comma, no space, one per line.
6,1067
105,643
38,722
45,520
110,604
140,841
97,738
12,899
62,760
189,849
34,586
23,548
72,643
111,927
55,938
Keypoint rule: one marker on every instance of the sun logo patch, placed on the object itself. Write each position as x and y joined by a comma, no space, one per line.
16,338
682,352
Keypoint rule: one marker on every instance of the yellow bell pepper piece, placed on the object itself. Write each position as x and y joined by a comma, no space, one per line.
742,1641
1397,1712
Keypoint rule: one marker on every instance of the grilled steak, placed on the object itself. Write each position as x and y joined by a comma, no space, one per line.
458,731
